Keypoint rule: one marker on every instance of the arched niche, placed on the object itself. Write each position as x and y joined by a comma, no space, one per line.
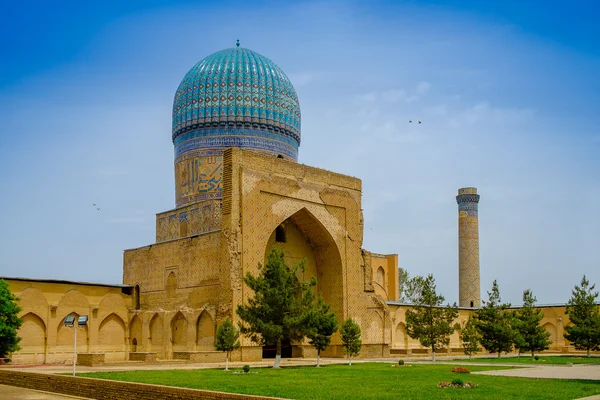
400,336
307,238
205,332
136,297
65,336
550,328
171,284
179,327
111,335
372,328
135,333
380,277
156,333
32,333
183,228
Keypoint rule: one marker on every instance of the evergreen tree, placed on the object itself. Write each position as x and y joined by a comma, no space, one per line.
494,323
351,340
584,314
227,340
280,308
529,335
9,322
429,321
323,324
470,338
409,287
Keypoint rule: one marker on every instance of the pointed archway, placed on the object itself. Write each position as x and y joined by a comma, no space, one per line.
303,237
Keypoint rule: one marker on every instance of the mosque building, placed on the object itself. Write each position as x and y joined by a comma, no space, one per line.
239,191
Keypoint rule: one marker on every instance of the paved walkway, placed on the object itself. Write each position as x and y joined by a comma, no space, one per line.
578,371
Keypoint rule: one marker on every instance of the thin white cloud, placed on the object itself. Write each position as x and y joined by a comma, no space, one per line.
301,79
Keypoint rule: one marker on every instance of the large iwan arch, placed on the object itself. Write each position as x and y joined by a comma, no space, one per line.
306,238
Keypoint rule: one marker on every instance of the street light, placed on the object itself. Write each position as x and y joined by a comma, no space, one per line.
70,322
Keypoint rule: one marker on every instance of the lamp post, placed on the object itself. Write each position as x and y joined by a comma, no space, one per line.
70,322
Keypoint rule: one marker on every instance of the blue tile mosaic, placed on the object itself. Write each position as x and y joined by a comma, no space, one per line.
241,96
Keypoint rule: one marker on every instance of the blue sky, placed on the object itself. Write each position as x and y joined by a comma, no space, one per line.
508,92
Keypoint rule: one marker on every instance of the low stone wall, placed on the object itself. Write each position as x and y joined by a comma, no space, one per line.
90,359
102,389
141,356
374,351
200,356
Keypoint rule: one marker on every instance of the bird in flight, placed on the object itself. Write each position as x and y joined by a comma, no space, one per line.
97,208
410,121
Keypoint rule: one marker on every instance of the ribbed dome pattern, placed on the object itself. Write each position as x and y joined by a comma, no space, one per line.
237,88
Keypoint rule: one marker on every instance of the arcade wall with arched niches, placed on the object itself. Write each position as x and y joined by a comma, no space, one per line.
46,303
554,321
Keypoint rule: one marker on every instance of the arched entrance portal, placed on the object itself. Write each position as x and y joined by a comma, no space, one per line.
303,237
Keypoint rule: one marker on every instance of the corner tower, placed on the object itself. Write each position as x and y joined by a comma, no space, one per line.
468,248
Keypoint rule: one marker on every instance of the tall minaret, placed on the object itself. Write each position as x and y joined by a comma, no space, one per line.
468,248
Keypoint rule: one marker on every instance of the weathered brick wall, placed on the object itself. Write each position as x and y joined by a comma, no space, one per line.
142,356
200,356
110,390
90,359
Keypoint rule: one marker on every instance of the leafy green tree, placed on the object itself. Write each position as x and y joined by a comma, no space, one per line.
280,308
409,287
430,321
530,336
493,322
584,314
9,322
470,338
351,339
227,340
323,324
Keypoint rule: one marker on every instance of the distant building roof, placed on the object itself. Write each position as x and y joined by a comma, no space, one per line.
65,282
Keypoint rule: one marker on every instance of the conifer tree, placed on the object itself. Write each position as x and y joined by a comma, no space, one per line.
9,321
530,336
470,338
227,340
494,323
351,339
409,288
429,321
280,308
323,324
584,314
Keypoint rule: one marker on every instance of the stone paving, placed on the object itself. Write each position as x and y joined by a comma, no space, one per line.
578,371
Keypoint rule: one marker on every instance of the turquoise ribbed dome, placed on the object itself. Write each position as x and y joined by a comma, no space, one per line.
237,98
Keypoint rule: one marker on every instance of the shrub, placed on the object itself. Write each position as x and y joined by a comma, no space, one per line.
400,362
536,358
461,370
246,368
458,383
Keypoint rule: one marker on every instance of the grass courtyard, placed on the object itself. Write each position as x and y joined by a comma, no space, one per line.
362,381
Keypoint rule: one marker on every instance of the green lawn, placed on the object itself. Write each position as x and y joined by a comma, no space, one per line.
543,360
362,381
